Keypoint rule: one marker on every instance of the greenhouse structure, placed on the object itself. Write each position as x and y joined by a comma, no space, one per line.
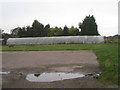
55,40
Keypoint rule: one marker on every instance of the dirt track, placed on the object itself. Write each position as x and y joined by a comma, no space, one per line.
37,61
29,59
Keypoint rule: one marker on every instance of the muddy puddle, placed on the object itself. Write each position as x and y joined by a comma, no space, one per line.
54,73
45,76
52,76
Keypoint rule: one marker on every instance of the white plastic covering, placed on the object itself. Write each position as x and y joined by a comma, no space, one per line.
55,40
1,41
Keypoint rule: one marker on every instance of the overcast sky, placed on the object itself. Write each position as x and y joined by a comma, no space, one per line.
14,13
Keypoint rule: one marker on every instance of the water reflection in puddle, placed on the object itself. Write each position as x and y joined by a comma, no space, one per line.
4,73
52,76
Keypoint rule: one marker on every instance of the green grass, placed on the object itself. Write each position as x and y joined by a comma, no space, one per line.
113,40
107,55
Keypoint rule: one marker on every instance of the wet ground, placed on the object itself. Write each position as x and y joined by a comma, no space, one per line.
49,78
51,69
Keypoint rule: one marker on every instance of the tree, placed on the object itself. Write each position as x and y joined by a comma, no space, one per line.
73,31
20,32
29,32
14,32
38,29
46,30
55,31
1,32
58,31
65,31
5,36
88,26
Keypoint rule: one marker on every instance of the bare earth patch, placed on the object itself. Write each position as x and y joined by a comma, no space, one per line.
29,59
20,63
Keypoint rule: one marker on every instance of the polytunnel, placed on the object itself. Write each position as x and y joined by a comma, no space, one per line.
55,40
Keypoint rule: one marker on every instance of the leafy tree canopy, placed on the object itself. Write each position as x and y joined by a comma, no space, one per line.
88,26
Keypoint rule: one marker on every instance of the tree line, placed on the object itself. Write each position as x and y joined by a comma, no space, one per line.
87,27
39,30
